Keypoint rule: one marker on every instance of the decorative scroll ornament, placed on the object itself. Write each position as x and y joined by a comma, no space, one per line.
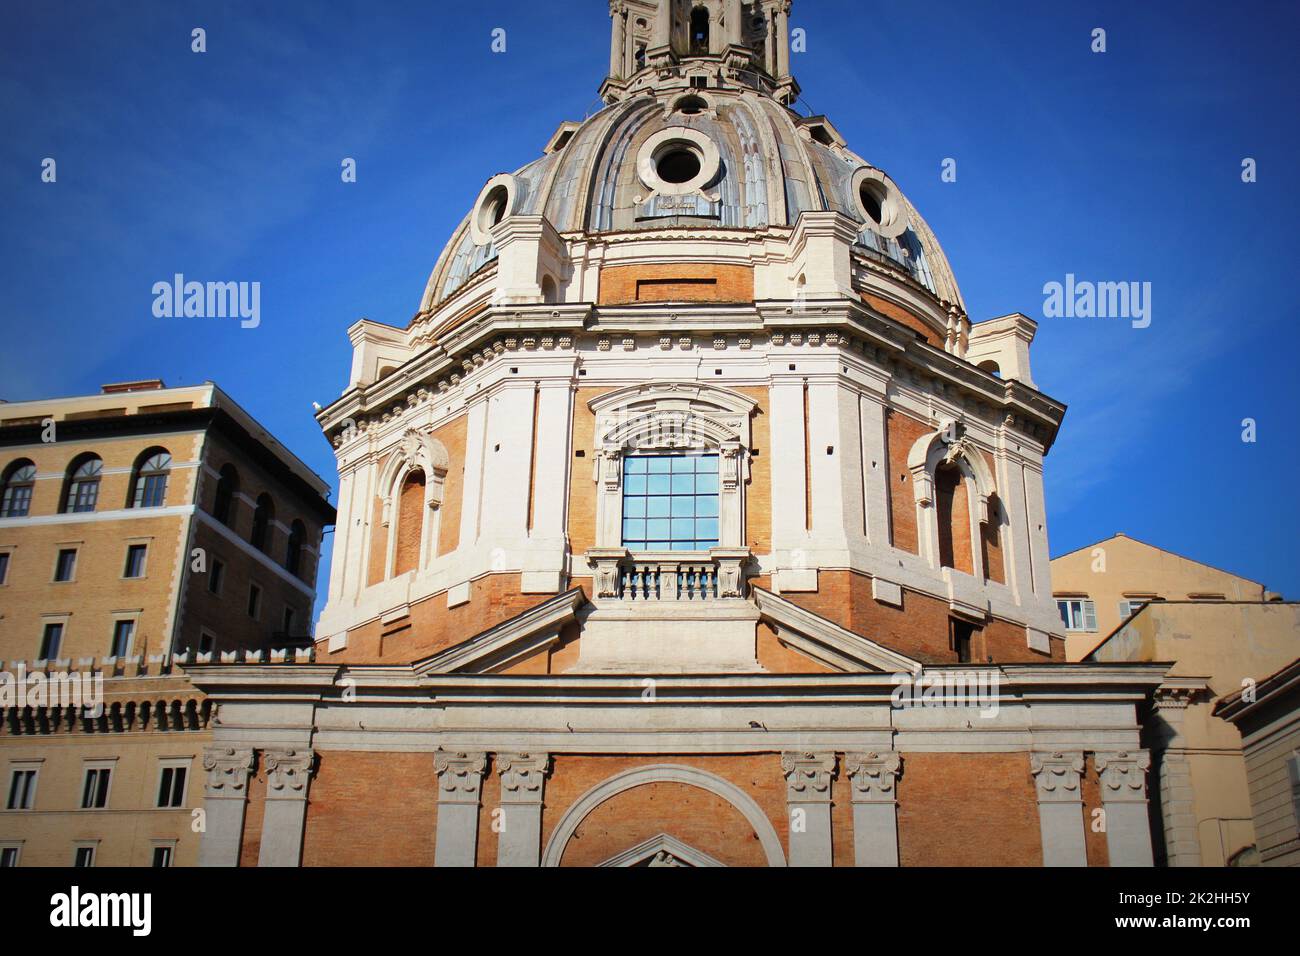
808,776
288,771
873,775
1123,775
459,772
1057,775
228,770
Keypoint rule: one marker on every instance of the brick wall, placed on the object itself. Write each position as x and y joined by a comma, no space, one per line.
410,524
968,810
372,809
901,434
903,317
676,282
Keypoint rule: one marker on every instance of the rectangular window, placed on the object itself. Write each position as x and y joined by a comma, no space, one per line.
254,600
670,502
171,787
151,491
50,642
135,561
4,566
84,857
17,500
1077,614
94,795
66,565
123,631
207,643
8,857
288,621
215,575
22,790
1128,608
162,856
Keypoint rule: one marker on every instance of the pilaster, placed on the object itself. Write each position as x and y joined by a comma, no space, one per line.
808,800
225,798
1060,807
1124,798
288,777
460,777
523,784
875,807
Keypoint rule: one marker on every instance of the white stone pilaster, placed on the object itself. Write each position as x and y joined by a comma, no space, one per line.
288,777
808,802
460,777
1060,807
1124,798
523,783
224,800
875,807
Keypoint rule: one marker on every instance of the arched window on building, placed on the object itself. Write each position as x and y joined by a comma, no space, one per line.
952,513
293,551
991,543
19,481
149,479
410,523
223,508
81,492
263,515
700,31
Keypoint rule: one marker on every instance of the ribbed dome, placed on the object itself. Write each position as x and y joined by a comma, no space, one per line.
771,166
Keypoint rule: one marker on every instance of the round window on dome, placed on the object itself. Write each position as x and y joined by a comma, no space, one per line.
677,164
691,105
495,203
678,161
879,202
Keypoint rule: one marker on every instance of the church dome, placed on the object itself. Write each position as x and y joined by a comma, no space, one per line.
679,156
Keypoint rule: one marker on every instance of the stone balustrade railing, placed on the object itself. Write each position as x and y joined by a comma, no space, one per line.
668,576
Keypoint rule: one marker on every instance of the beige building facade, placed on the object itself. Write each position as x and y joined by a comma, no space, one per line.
1267,714
1124,600
141,529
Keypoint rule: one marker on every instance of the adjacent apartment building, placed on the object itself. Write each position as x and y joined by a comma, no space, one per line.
139,529
1122,600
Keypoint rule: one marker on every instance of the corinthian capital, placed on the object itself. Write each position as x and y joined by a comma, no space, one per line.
1123,775
288,773
228,769
1057,775
873,776
808,776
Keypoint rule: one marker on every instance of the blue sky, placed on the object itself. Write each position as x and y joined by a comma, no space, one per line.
1122,166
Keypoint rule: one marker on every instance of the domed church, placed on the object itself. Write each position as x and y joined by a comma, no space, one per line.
689,522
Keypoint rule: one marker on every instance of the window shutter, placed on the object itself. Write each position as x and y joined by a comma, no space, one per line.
1293,771
1124,610
1089,616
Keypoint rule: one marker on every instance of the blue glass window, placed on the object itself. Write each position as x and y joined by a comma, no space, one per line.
670,502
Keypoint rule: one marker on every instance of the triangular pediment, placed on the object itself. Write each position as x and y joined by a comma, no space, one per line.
825,641
509,642
662,850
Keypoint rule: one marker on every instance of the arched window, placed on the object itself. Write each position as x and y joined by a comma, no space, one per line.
83,484
263,515
410,523
700,31
223,508
19,480
293,551
953,517
991,542
149,482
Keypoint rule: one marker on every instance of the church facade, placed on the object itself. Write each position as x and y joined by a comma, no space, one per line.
690,521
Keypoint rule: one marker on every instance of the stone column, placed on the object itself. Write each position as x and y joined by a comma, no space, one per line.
735,19
1124,798
619,28
288,776
1177,801
224,800
782,16
875,807
663,31
523,783
460,776
808,801
1060,807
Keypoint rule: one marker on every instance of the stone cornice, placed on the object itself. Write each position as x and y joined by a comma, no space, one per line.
843,643
517,637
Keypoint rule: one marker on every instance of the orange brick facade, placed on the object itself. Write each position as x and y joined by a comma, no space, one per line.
678,282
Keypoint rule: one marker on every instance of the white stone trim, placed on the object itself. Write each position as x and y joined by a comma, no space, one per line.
844,645
661,843
664,773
